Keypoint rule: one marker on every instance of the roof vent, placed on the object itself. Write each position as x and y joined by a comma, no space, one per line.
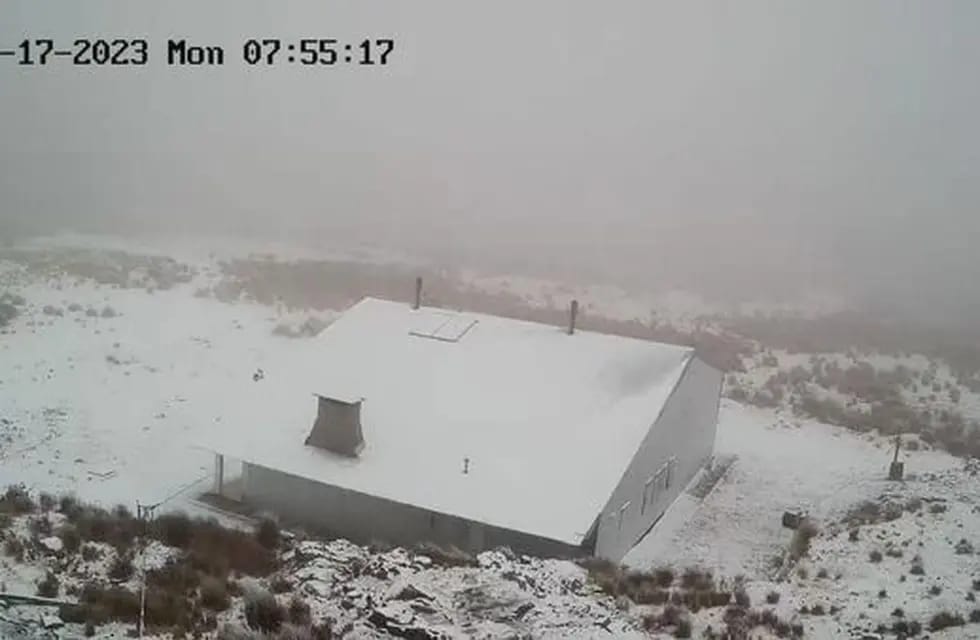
337,427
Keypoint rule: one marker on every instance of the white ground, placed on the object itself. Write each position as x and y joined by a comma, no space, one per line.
108,408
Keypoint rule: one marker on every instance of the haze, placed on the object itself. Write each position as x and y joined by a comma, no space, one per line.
738,149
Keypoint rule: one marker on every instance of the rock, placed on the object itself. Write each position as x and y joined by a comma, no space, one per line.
52,544
406,591
51,621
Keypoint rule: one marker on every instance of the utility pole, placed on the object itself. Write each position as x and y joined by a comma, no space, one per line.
143,513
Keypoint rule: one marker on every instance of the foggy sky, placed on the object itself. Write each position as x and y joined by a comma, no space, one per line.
726,145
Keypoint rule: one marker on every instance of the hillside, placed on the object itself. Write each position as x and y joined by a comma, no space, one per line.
113,363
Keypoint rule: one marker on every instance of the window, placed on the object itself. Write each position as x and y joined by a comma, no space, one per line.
647,493
622,513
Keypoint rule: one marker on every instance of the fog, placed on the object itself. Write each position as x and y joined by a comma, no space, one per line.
736,149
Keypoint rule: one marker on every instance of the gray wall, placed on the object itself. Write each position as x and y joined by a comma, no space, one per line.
684,431
364,518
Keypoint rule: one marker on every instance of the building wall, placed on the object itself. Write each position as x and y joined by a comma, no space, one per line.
679,443
364,518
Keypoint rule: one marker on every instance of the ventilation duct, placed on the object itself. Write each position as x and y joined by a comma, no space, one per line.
337,427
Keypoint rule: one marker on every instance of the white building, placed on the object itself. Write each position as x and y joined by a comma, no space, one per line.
419,424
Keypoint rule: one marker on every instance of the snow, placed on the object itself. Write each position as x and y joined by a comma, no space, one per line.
72,420
506,394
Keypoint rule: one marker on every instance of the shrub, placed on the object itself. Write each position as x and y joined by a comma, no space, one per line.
46,501
14,548
875,556
882,593
917,569
263,612
742,598
70,538
299,611
975,616
173,530
804,534
935,590
852,535
818,610
121,568
280,584
267,533
822,572
68,505
664,576
937,507
944,620
772,597
40,526
695,579
90,552
683,628
49,586
71,613
214,594
175,577
17,501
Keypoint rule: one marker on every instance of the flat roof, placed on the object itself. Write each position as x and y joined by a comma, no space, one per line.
548,421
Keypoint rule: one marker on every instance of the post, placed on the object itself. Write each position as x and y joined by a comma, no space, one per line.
572,314
418,293
142,542
219,473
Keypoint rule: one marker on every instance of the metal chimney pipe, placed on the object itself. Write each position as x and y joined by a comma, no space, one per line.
418,293
572,314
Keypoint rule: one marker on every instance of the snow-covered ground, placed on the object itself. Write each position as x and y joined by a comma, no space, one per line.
108,404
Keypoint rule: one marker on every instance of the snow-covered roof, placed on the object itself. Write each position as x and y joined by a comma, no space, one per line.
549,421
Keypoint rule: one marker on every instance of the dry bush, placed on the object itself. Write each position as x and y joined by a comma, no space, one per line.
40,526
446,556
944,620
697,579
742,598
212,548
772,597
214,594
299,611
802,537
280,584
14,548
7,313
17,501
46,501
875,556
49,586
664,576
267,533
121,568
69,506
70,538
175,577
98,525
90,552
683,629
263,612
